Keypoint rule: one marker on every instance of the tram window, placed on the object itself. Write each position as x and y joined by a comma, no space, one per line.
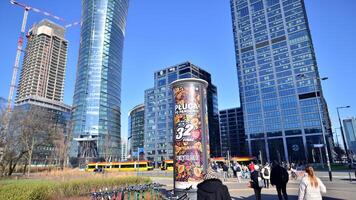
127,166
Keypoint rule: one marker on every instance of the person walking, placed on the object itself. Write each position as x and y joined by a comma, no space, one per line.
238,172
280,178
233,167
311,187
251,166
225,171
266,174
212,188
256,182
245,172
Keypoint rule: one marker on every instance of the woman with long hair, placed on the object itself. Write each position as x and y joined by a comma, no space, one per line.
311,187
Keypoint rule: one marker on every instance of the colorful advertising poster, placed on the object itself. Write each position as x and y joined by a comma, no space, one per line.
191,144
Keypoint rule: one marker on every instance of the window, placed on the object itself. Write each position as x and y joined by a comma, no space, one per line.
243,12
172,77
183,71
257,6
161,82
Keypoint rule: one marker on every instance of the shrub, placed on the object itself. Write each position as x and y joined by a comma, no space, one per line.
50,189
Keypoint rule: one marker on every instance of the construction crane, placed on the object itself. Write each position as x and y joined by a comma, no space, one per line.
20,45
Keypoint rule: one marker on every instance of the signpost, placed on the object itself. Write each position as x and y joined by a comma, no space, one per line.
191,136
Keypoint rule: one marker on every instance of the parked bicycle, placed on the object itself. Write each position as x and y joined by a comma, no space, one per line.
146,191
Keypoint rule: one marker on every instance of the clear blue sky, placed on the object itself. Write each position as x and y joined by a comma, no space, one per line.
162,33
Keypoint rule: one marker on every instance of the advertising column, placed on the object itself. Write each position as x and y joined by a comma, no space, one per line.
191,136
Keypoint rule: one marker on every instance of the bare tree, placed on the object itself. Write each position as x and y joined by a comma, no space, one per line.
61,142
27,130
108,147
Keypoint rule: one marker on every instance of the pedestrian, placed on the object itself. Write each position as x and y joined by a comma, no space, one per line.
225,171
214,166
251,166
238,172
311,187
212,188
256,182
279,178
266,174
233,167
245,172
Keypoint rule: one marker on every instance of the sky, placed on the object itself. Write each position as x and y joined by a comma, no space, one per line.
161,33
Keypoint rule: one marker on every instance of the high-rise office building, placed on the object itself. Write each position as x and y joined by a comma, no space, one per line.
232,132
159,112
44,63
350,133
123,149
279,84
136,129
97,95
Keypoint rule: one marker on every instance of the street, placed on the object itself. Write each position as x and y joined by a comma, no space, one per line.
339,188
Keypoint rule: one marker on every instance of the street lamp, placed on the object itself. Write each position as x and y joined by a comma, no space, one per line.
342,133
321,120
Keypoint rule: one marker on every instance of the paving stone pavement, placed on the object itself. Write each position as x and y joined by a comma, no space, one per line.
339,189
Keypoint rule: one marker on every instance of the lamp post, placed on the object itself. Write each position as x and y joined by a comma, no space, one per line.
342,133
321,120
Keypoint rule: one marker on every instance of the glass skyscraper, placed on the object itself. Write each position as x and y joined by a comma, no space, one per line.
279,83
159,112
232,132
96,101
350,134
136,130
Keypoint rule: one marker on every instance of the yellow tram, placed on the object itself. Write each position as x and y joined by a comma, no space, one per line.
167,165
119,166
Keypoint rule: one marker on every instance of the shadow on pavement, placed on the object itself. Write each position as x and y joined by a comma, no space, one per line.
347,179
274,197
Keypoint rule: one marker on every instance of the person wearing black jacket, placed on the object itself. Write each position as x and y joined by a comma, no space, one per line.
280,178
212,188
255,174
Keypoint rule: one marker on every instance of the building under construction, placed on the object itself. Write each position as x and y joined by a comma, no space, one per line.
44,63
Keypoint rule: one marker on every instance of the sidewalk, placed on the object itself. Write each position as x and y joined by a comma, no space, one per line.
339,189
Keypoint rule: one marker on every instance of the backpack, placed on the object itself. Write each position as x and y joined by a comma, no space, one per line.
261,183
238,168
266,172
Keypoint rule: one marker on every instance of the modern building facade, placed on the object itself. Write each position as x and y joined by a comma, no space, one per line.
58,115
97,95
280,90
350,134
233,139
123,150
44,63
136,129
159,112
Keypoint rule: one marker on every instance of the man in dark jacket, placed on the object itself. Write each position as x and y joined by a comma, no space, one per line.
212,188
280,178
255,176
